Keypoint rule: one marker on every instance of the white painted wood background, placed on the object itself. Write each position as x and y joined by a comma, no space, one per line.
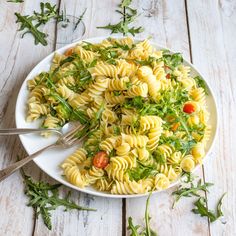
205,32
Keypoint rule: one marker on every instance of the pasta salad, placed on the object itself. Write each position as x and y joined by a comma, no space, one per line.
145,117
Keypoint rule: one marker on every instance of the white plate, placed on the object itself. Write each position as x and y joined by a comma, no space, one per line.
50,160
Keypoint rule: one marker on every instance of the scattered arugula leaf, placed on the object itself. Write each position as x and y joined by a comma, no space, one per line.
26,23
48,12
202,209
44,198
80,19
188,177
31,23
128,15
125,3
146,231
192,190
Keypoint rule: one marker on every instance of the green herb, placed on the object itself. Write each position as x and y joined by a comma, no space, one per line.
116,130
142,172
48,12
44,198
128,16
188,177
172,60
80,116
80,19
15,1
31,23
159,157
201,83
146,231
147,62
190,191
26,23
125,3
117,93
202,209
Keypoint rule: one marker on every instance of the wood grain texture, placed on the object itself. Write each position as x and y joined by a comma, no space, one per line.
166,22
212,30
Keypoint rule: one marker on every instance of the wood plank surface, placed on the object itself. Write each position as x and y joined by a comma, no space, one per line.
166,22
212,29
203,31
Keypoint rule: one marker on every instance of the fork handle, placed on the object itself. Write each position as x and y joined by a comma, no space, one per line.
14,131
17,165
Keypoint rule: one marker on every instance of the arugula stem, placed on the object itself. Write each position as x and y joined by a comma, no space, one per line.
147,218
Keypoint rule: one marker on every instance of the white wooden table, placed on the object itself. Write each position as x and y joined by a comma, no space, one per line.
205,32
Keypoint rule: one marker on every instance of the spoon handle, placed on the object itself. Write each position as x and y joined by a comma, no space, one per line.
15,131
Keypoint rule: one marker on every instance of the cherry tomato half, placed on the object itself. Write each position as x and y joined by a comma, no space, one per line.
100,160
189,108
168,76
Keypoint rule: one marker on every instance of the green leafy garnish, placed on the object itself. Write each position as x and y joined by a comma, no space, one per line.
146,231
128,16
31,23
201,83
142,172
44,198
26,23
146,62
202,209
192,190
47,12
80,19
172,60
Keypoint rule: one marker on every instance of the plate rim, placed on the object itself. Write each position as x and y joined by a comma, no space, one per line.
105,194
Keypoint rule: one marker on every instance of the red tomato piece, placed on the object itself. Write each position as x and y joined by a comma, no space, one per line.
100,160
189,108
168,76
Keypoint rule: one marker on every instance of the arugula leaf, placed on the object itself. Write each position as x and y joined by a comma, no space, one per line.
128,16
80,19
219,206
146,231
147,62
44,198
190,191
48,12
125,3
202,209
172,60
201,83
26,23
142,172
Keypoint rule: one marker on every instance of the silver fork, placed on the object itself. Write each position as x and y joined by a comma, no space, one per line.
65,141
